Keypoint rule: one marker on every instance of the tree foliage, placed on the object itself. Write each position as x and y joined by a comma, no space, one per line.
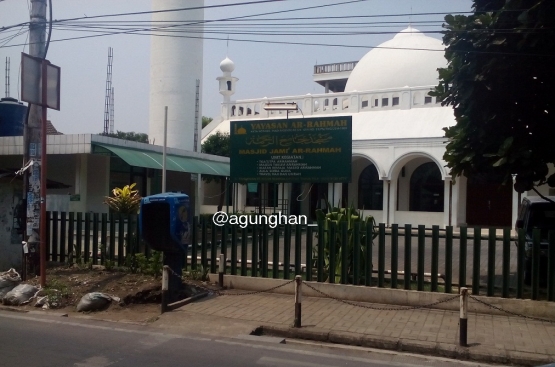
140,137
499,80
206,121
217,144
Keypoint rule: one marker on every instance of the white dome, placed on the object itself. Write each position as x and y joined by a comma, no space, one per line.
387,67
227,66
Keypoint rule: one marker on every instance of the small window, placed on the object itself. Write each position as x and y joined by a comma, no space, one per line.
376,102
385,102
427,100
228,85
395,101
364,104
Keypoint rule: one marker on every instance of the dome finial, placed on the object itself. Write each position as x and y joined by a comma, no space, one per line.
227,66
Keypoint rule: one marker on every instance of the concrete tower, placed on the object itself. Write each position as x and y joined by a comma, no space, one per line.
227,83
175,68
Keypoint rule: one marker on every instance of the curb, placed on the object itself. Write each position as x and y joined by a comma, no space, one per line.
12,309
473,353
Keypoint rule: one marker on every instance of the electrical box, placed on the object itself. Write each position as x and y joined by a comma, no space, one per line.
165,221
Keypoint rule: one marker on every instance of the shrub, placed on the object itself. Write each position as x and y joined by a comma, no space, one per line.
125,200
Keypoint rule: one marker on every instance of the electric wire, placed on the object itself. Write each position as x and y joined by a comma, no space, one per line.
105,31
305,32
340,45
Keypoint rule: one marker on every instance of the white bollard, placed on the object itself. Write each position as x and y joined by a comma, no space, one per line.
463,342
165,295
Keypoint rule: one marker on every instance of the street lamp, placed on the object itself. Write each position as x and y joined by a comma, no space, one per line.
288,106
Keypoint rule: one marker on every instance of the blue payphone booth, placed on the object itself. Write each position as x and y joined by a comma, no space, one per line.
165,225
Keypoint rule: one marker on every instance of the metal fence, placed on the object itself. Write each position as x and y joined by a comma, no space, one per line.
431,259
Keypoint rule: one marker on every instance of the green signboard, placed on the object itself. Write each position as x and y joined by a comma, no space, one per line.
292,150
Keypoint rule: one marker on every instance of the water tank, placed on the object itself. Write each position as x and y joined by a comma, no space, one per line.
12,117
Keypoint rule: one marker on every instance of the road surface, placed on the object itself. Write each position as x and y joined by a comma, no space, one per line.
41,340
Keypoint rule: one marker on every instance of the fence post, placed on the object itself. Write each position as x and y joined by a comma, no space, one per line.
165,281
407,264
491,262
221,270
463,340
420,254
476,260
298,300
381,254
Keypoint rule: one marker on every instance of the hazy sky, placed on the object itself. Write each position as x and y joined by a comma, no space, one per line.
264,69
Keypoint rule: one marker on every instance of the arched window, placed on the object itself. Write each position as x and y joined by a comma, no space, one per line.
370,189
426,189
228,85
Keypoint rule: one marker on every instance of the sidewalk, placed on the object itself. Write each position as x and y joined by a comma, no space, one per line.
494,339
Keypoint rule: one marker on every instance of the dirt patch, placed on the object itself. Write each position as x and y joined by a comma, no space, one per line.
139,294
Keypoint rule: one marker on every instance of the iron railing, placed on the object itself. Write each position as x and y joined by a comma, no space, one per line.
488,260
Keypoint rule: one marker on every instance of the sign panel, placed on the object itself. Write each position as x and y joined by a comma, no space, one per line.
31,82
292,150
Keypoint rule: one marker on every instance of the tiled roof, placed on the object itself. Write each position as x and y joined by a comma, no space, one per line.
51,130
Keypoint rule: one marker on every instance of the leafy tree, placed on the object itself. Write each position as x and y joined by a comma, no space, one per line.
217,144
499,80
140,137
206,121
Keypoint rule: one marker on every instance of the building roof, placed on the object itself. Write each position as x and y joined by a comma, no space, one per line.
390,124
133,152
409,59
51,130
402,124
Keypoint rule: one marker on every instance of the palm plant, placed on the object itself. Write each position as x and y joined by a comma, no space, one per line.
335,218
125,200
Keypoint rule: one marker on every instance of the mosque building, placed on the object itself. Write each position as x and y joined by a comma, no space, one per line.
398,172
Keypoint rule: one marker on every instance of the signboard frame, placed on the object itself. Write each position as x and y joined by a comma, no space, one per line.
31,81
313,149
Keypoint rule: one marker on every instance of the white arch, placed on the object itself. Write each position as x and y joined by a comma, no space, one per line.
381,171
405,158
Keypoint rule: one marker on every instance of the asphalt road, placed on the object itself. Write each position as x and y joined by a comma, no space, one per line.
40,340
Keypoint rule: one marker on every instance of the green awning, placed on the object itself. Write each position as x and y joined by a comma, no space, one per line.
148,159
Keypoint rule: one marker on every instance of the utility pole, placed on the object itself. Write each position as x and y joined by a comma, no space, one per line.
33,150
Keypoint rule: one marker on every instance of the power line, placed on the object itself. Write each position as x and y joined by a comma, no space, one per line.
176,9
174,28
304,44
263,32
